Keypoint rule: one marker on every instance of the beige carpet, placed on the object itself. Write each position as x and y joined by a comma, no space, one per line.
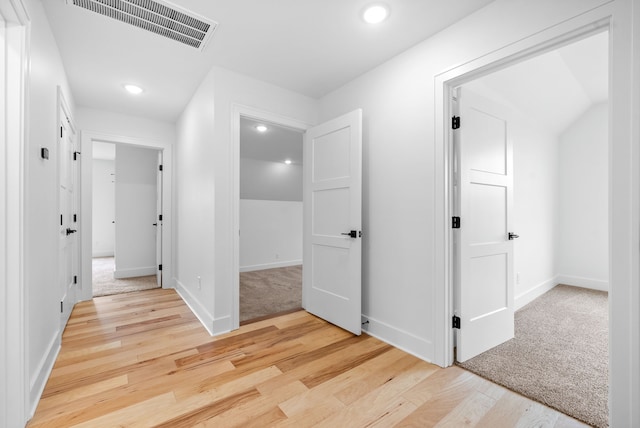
559,355
104,284
270,291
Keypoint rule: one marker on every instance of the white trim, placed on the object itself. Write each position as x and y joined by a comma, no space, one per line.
578,281
45,367
86,208
533,293
238,110
398,338
252,268
14,352
134,272
205,318
622,18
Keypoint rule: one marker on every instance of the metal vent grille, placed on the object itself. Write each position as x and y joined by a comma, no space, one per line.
158,17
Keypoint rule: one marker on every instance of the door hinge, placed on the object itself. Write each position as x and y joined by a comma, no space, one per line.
61,132
455,222
455,322
75,218
160,167
75,279
61,307
160,217
159,267
75,155
455,122
61,220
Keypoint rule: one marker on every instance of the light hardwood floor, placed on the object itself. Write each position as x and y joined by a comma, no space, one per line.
143,359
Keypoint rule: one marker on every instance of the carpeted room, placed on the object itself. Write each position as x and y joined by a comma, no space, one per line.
559,355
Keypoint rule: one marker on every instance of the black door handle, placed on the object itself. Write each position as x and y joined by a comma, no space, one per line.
154,224
351,234
513,236
70,231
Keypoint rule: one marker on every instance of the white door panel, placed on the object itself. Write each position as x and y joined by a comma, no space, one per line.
484,254
68,226
332,201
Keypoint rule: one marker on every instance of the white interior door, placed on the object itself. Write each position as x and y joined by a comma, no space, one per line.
484,248
159,221
67,221
332,221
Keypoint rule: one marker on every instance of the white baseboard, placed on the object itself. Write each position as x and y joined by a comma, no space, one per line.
102,254
535,292
577,281
198,310
41,375
214,326
251,268
408,342
134,272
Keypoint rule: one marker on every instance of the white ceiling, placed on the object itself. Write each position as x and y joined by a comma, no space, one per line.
555,88
311,47
275,145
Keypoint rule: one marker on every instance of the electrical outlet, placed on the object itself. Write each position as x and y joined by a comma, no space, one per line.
277,256
518,278
199,283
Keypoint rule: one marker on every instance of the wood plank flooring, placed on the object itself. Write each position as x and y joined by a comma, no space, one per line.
143,360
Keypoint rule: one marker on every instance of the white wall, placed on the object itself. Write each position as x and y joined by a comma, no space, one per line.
583,252
104,208
536,210
270,214
136,211
204,186
276,181
270,234
41,193
400,292
107,122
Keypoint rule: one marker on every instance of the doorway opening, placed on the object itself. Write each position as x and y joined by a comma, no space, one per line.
270,214
552,109
126,218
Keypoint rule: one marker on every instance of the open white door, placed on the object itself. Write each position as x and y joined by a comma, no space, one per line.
484,247
158,223
332,221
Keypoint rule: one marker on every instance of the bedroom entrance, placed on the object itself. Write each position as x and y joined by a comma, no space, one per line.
270,215
126,219
531,188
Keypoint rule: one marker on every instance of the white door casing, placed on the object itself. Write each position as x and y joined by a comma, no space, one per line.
332,209
483,273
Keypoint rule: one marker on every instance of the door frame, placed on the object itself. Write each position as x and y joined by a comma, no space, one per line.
238,111
14,125
624,185
87,138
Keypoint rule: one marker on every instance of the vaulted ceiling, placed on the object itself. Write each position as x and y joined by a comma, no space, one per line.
308,46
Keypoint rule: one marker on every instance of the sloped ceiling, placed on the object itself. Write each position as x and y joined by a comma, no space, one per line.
275,145
555,88
308,46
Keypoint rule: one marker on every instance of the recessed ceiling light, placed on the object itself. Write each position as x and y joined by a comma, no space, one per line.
376,13
261,128
133,89
288,161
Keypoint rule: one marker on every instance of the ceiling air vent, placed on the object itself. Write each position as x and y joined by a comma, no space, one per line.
158,16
